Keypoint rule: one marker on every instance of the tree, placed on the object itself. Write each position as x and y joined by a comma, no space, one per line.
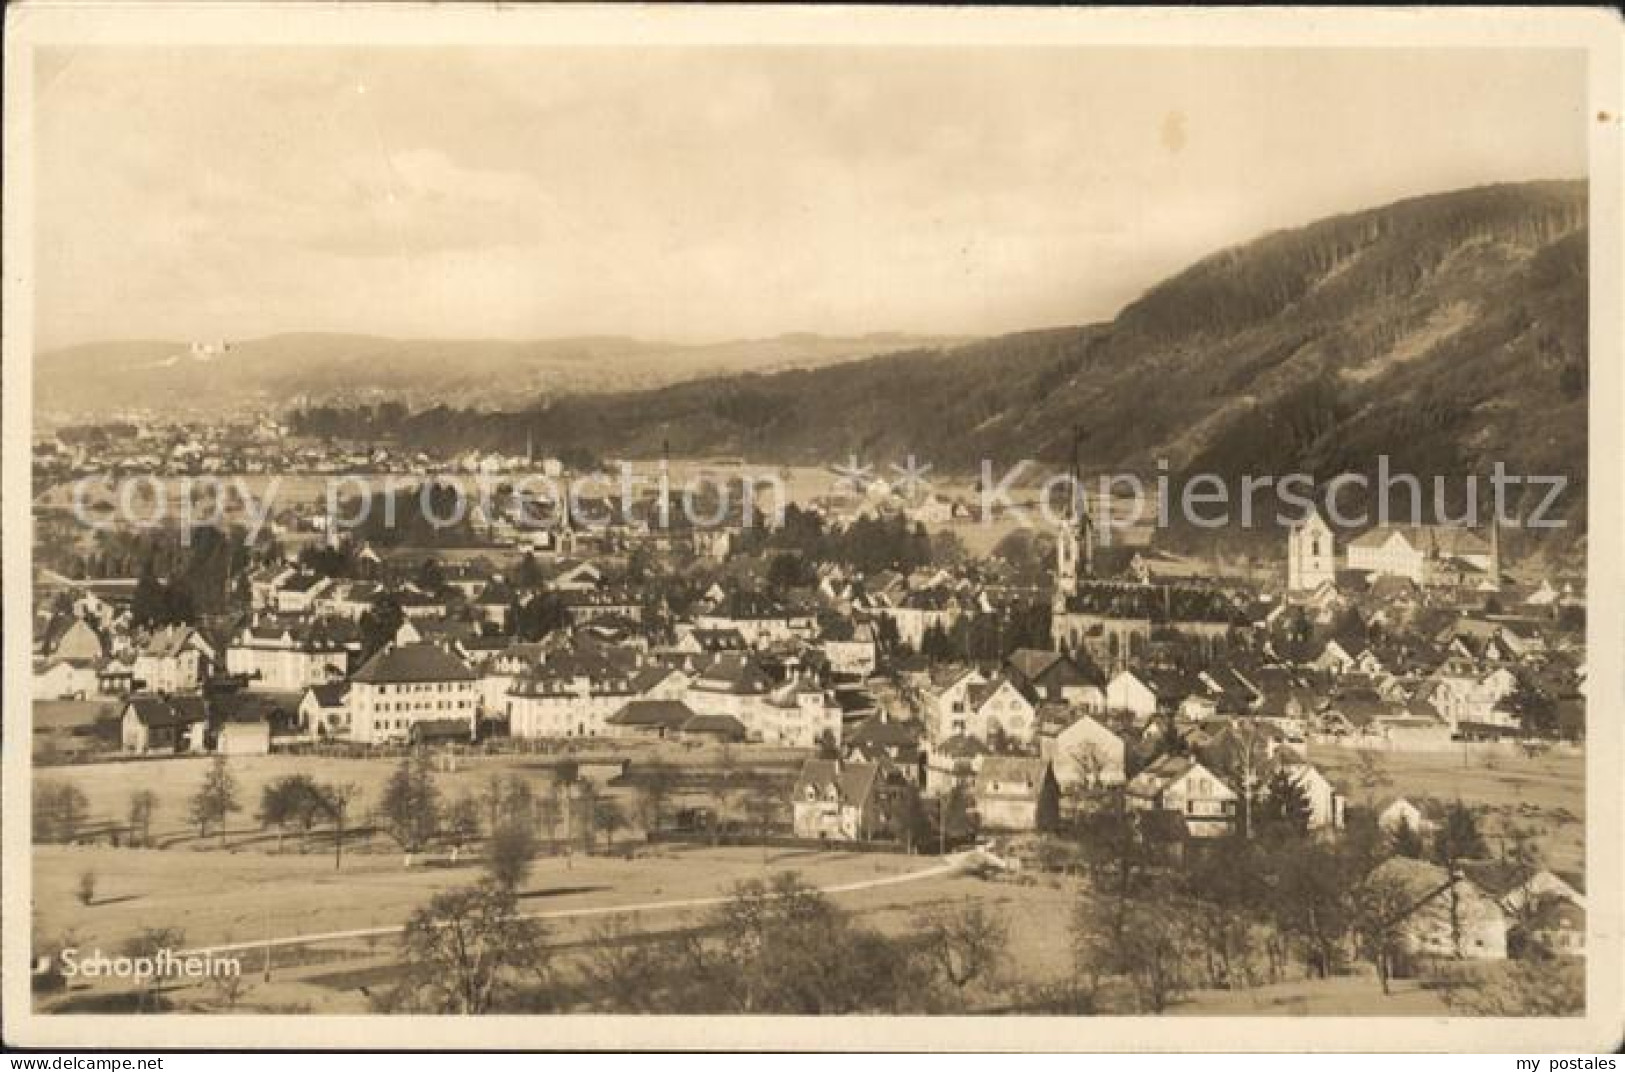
143,803
565,776
462,824
548,811
334,802
1372,774
1286,808
508,800
781,946
215,800
86,891
528,575
965,945
1148,943
1407,841
60,810
953,821
148,944
379,623
510,853
409,808
1458,838
1554,987
292,800
1309,901
654,791
761,802
1536,710
608,816
1380,906
466,950
431,578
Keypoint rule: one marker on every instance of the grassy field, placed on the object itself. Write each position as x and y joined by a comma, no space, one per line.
1545,793
108,786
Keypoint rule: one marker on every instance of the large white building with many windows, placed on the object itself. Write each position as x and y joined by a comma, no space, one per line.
408,690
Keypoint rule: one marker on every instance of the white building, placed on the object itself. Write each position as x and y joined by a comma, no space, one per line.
404,686
1311,554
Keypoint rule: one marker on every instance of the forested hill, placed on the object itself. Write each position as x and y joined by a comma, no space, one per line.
1446,331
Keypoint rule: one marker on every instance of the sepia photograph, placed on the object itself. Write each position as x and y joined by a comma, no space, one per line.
664,526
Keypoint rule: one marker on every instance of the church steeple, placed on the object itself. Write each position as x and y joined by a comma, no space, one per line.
1074,543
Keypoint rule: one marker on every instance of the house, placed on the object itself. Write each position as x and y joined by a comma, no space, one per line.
286,658
1517,887
889,742
243,739
836,801
175,658
1085,754
324,710
1145,693
65,679
1183,786
953,763
853,656
1017,793
997,712
79,642
1049,675
1555,924
1427,555
402,685
1401,814
163,724
298,594
1326,804
1449,915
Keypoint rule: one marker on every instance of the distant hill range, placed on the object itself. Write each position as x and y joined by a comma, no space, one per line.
282,370
1446,331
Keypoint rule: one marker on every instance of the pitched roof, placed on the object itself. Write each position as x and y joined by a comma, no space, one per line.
1445,540
853,782
398,664
717,725
331,695
160,711
1011,776
667,714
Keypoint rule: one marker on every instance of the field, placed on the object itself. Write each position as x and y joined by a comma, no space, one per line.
1544,793
243,889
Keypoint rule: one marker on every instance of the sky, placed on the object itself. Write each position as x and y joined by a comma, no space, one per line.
693,195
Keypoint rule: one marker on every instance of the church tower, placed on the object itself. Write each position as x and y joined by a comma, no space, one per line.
1074,541
1311,554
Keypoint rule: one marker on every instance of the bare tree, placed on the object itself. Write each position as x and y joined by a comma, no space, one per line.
966,945
215,799
409,808
1381,904
143,803
462,824
466,950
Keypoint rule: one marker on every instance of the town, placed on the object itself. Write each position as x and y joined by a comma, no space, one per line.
1352,771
